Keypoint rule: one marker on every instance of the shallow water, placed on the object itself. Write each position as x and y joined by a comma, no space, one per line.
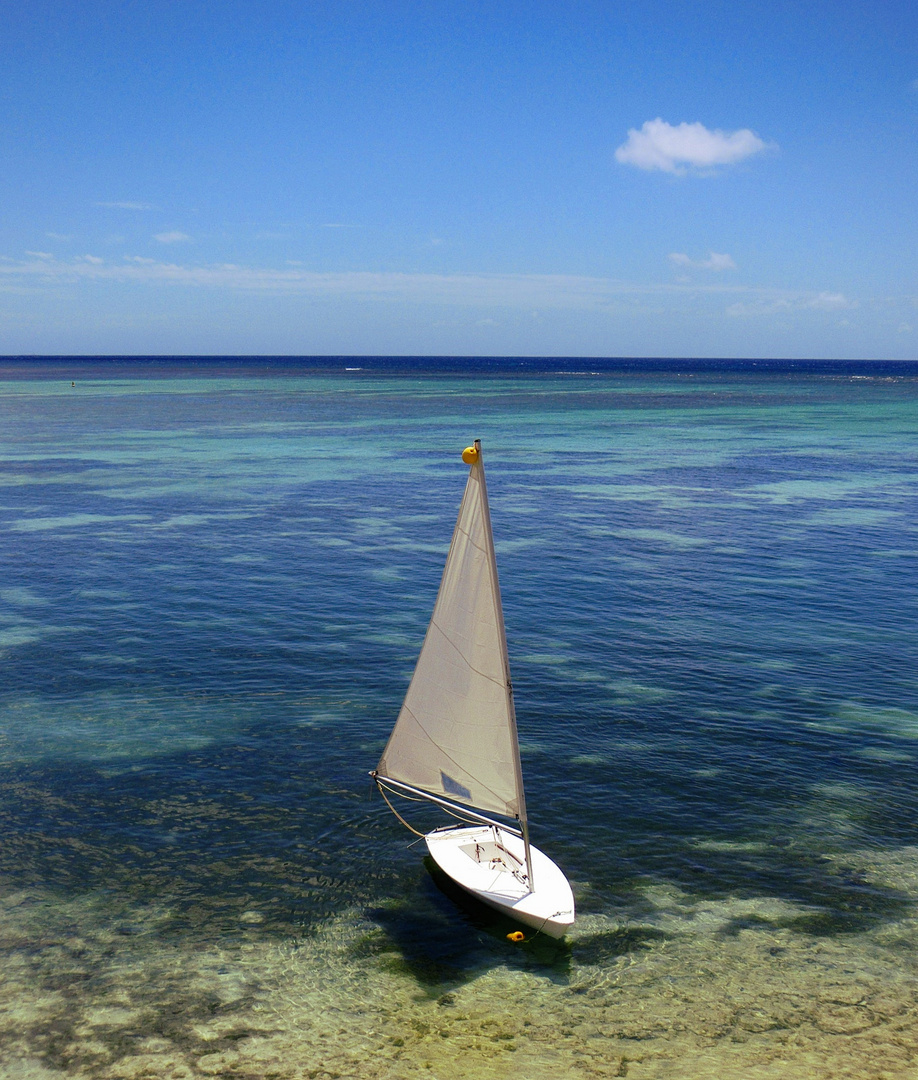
215,581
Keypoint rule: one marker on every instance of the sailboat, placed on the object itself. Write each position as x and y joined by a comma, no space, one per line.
455,742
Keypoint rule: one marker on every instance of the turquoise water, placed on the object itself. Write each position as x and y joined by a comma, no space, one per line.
214,583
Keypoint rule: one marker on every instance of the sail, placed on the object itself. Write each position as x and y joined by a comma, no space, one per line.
456,733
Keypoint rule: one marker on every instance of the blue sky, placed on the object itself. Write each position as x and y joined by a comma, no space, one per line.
620,179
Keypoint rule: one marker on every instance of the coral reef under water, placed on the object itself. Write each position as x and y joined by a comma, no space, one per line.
109,989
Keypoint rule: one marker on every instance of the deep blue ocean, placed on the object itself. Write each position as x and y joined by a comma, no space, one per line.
215,577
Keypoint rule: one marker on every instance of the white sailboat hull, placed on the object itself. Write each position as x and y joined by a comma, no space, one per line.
490,864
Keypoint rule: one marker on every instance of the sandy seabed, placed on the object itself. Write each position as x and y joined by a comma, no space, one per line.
99,988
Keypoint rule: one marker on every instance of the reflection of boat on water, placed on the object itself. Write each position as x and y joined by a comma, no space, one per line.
455,743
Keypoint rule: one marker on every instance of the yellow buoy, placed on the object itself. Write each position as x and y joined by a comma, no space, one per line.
470,455
516,935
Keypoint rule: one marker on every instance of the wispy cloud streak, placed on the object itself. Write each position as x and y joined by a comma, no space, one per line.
126,205
522,291
781,303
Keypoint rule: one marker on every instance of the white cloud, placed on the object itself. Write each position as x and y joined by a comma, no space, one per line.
826,301
905,328
93,260
659,145
40,254
172,237
58,236
714,261
125,205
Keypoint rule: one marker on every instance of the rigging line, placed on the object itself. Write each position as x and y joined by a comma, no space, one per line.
398,786
410,828
541,927
408,798
446,809
459,817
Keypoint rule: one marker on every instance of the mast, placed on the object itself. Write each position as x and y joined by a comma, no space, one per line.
505,660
